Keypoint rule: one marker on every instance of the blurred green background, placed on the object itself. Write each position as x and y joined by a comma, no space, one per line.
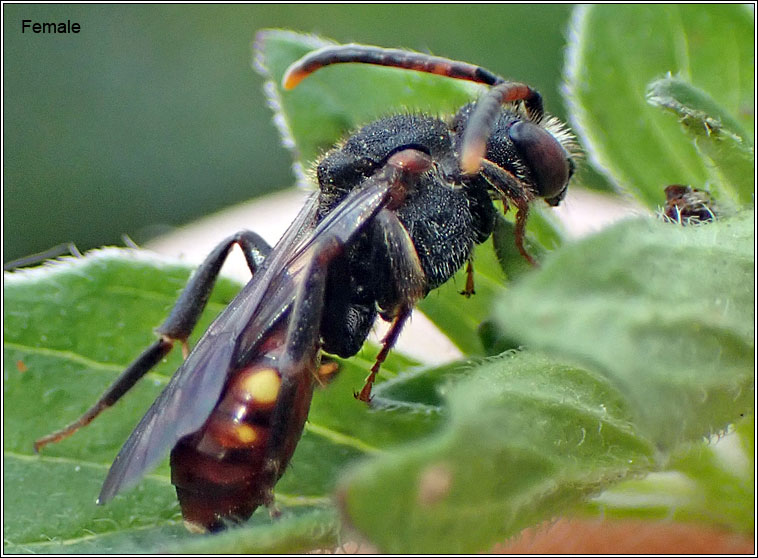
152,115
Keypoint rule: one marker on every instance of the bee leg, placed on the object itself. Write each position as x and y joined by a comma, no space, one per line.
510,190
327,371
194,297
149,358
522,211
297,365
387,343
468,290
177,327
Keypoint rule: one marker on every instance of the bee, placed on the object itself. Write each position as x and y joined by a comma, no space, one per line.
400,205
687,206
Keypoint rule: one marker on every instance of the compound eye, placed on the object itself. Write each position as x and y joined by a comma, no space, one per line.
545,157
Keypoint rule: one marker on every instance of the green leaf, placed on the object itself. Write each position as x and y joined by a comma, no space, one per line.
665,311
717,135
510,259
725,478
458,317
449,459
70,328
709,482
335,100
526,437
691,103
616,51
68,353
529,436
85,320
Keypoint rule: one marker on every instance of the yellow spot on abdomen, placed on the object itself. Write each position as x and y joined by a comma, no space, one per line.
245,434
230,434
260,386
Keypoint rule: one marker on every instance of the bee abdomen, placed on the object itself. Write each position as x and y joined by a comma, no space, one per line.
220,472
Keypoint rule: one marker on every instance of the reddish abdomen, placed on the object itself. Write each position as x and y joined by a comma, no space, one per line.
228,468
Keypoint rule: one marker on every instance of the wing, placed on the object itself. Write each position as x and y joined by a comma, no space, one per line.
193,391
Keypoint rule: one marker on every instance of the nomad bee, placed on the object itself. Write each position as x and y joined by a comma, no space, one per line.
400,206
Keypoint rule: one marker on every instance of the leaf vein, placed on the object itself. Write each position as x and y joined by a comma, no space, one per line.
341,439
79,359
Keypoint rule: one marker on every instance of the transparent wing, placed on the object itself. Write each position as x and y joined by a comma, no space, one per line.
193,391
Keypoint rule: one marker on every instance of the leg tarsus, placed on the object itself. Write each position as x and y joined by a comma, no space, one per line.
177,327
509,189
468,290
522,212
387,343
141,365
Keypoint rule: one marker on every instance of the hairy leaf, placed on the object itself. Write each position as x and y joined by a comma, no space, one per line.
616,51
